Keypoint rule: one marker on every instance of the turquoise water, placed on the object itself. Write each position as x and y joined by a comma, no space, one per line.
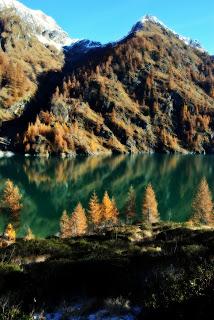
51,185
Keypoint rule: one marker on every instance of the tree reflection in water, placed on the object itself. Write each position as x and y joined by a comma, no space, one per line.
50,186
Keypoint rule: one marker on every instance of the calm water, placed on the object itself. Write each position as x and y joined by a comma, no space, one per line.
51,185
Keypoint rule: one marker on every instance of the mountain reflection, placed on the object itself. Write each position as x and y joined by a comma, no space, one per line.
51,185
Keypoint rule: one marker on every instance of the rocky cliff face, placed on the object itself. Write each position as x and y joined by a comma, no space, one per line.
151,91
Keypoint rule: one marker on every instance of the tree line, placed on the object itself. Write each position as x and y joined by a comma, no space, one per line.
105,213
101,214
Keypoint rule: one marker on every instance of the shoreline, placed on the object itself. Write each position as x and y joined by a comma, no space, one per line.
10,154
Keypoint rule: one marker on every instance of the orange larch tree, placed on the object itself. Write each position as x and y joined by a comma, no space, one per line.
10,233
95,210
11,198
79,224
150,206
29,235
109,209
203,208
65,226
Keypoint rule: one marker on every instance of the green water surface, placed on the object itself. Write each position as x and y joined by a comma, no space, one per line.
50,186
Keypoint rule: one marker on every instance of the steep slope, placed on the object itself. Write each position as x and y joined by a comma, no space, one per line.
42,26
31,56
141,24
23,59
151,91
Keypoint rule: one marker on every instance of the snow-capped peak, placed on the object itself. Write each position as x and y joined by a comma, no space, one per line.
41,25
139,26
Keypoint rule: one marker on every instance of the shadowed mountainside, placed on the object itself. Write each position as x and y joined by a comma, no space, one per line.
148,92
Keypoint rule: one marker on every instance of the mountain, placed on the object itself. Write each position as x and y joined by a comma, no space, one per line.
24,59
152,91
139,26
42,26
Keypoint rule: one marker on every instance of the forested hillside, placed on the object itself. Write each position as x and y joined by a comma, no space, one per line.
23,59
150,92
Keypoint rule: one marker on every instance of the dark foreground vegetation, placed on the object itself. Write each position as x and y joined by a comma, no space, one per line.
109,265
146,272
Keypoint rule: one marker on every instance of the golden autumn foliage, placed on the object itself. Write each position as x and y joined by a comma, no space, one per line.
73,226
65,226
150,206
203,208
118,99
29,235
139,105
99,214
11,198
16,84
79,224
106,207
36,129
49,134
168,140
56,136
95,210
106,214
109,209
10,233
22,60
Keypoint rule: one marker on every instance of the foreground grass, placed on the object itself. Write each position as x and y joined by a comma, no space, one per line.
165,270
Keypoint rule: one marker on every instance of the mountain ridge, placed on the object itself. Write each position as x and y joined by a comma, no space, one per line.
52,34
148,18
137,27
147,92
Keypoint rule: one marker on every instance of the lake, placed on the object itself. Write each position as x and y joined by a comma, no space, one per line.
51,185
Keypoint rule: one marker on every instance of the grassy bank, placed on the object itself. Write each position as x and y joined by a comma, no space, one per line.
165,270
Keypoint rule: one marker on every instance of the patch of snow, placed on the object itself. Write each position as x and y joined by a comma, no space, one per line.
9,154
86,43
83,46
92,44
6,154
41,25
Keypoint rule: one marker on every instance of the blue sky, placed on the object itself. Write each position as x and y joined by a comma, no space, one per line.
108,20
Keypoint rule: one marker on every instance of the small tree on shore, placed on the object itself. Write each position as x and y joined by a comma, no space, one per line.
78,221
109,209
115,211
10,233
11,198
29,235
203,209
131,205
95,210
150,206
106,207
65,226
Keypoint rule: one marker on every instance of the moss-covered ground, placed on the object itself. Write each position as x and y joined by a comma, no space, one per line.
167,270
